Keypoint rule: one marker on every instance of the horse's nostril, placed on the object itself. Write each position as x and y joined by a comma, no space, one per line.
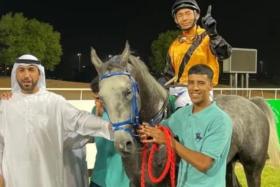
128,146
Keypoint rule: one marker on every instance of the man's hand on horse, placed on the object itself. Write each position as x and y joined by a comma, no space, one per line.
149,134
6,95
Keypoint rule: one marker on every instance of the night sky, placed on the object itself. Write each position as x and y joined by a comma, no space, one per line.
106,25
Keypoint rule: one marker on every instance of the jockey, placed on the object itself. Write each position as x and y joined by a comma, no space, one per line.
195,45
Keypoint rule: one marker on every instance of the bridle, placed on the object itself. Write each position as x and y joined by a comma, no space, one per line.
134,119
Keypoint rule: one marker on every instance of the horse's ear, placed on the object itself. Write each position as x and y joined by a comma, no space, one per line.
125,54
96,60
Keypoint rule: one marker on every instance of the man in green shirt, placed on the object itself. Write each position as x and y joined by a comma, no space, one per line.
204,133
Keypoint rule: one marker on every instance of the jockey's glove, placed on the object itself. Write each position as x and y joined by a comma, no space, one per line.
209,24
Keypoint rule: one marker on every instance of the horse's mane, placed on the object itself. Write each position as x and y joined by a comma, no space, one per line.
143,74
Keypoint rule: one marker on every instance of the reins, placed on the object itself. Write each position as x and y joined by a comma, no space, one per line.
169,165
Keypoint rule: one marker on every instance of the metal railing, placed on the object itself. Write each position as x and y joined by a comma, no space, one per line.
268,93
85,93
81,90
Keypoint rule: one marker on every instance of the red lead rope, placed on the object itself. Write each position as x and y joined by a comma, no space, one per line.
169,165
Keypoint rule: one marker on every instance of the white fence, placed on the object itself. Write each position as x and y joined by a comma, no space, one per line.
85,93
268,93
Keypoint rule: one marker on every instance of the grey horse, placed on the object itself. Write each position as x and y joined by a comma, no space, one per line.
253,122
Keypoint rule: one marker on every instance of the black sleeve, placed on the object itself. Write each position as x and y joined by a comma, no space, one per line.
220,47
168,71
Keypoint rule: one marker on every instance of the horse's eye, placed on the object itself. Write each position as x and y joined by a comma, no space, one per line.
128,93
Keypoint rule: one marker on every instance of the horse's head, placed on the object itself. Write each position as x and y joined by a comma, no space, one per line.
131,95
120,94
128,90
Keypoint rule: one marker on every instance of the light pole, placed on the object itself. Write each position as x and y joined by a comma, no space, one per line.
79,58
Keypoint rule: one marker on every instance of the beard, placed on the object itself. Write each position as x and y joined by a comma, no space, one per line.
28,87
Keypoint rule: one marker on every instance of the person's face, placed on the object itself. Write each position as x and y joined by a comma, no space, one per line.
27,78
99,108
95,95
98,101
199,87
186,18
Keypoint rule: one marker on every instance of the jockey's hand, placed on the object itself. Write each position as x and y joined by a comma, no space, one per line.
6,95
209,23
150,134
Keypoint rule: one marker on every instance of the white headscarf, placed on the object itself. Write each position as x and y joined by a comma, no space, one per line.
26,60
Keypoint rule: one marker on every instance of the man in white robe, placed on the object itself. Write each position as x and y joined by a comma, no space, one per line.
74,160
33,125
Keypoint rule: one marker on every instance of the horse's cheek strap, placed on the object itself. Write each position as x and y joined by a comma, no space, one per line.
135,113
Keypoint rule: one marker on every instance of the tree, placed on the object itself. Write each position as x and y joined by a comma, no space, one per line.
19,35
159,50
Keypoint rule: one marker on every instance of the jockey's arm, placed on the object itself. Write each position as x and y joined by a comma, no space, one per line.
220,47
168,72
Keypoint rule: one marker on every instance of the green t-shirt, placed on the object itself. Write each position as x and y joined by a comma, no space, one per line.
209,132
108,170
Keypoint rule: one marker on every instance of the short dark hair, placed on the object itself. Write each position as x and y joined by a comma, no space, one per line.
94,85
201,69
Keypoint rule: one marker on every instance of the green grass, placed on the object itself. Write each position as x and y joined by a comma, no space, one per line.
270,176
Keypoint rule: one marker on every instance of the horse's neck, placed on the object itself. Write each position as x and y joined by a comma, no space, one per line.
152,101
